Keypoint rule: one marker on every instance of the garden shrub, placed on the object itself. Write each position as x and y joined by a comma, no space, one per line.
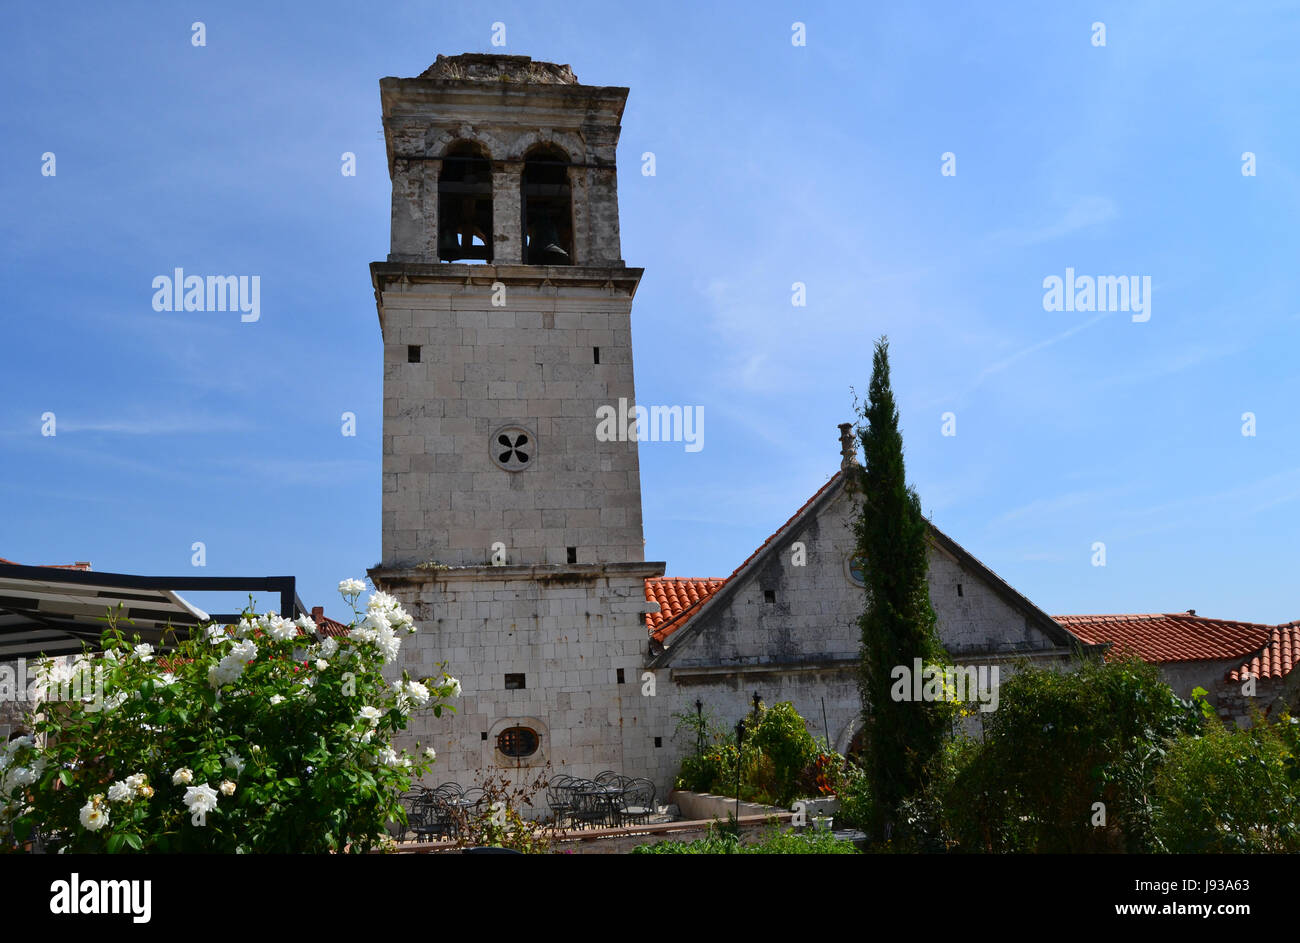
1231,790
259,737
775,842
774,761
783,739
1059,743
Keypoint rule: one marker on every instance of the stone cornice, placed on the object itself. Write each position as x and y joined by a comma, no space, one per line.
542,573
612,278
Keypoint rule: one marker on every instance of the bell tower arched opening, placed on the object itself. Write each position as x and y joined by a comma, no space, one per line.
465,204
547,204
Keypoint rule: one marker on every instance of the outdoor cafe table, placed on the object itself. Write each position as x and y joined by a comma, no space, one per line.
607,794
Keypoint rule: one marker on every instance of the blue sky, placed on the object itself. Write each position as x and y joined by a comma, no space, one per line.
775,164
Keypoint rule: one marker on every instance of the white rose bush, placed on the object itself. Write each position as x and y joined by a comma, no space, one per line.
260,737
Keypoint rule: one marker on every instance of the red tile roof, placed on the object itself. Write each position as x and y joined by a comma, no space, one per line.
1170,636
680,597
1276,659
676,596
326,625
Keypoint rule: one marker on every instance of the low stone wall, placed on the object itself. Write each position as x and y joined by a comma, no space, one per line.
700,805
703,805
620,841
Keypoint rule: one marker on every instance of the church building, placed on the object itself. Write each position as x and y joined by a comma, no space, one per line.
512,531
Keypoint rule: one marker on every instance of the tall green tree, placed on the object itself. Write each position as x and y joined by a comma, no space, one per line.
903,739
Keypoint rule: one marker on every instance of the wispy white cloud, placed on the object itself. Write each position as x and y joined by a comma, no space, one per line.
306,471
1011,360
178,424
1041,508
1084,213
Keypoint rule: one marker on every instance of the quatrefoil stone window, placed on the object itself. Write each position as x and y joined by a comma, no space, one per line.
514,448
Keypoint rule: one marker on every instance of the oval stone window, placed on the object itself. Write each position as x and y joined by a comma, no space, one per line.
518,742
856,569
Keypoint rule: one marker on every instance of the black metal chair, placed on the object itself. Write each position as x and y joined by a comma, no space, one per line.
410,802
594,805
637,802
560,798
434,818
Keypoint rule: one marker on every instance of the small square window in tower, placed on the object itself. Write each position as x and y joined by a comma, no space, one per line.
547,207
465,204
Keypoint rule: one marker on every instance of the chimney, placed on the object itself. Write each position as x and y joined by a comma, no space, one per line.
848,447
318,614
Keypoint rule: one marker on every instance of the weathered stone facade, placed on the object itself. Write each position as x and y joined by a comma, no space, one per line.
573,637
532,348
522,565
526,575
790,632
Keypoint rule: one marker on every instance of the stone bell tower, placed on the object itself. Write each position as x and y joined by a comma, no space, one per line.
505,309
510,525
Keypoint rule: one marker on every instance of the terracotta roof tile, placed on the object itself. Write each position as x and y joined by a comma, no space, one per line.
326,625
1170,636
1277,657
676,596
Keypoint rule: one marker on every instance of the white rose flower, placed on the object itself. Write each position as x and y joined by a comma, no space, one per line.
200,799
119,792
144,651
370,715
17,778
217,634
183,776
306,623
282,630
321,664
455,685
93,814
430,754
167,679
380,600
228,669
243,651
246,627
227,788
276,699
389,644
235,762
352,587
418,693
377,619
328,646
401,620
138,783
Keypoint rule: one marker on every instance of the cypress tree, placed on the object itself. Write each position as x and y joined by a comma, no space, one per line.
902,738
